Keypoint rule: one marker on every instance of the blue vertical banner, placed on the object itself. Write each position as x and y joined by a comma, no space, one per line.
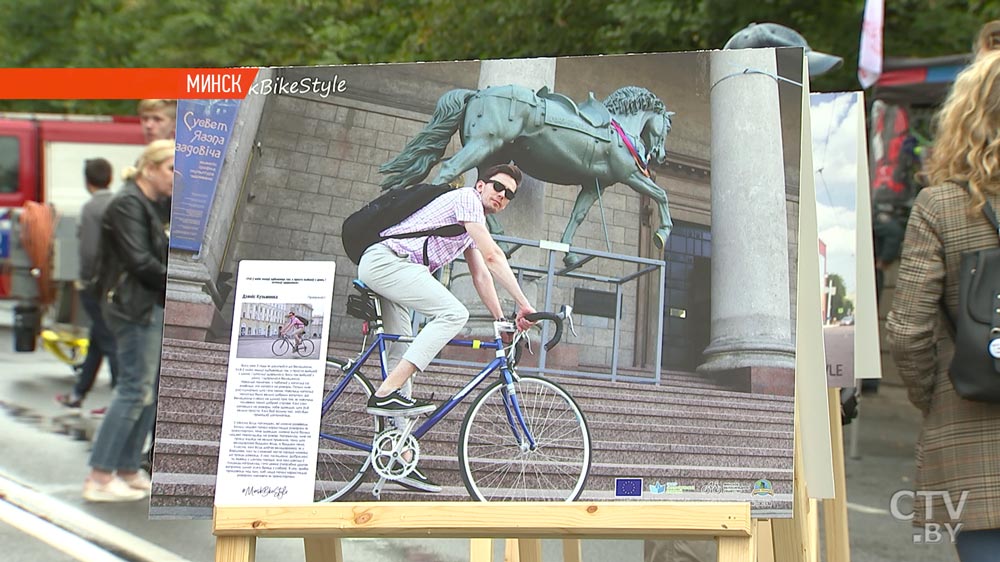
203,131
4,233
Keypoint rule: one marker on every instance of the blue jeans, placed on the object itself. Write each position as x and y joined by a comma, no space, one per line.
132,411
978,546
102,344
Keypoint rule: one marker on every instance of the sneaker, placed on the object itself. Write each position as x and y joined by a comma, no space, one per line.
419,482
116,490
71,401
395,404
138,481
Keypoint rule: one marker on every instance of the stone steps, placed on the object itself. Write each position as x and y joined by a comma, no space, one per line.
699,437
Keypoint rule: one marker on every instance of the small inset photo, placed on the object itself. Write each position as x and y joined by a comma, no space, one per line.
270,330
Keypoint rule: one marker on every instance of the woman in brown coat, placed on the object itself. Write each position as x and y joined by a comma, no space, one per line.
959,447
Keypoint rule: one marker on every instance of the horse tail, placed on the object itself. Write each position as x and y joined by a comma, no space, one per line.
427,147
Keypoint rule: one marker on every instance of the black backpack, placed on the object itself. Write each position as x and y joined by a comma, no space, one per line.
362,228
303,320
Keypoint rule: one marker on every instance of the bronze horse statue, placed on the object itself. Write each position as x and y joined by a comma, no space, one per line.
551,138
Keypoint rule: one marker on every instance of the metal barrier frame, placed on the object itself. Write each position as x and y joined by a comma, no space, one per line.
550,272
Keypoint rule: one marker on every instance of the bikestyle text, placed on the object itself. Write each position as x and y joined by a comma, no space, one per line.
307,85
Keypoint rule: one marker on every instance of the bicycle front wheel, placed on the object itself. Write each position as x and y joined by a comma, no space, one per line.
345,439
498,461
280,347
306,348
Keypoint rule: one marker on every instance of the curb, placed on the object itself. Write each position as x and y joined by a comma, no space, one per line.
113,539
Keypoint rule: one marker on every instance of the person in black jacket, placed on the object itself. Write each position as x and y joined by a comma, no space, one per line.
133,286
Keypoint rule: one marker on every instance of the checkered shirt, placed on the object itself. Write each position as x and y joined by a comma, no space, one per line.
460,206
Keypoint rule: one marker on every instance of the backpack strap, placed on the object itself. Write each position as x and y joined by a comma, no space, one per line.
990,216
987,208
449,231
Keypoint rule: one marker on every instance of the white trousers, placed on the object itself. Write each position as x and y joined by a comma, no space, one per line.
405,286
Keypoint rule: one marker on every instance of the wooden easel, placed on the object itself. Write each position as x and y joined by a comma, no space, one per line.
740,538
838,544
322,525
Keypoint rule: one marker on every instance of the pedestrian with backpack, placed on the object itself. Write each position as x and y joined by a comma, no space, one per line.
400,269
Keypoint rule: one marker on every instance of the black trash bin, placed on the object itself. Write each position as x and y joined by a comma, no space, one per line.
26,324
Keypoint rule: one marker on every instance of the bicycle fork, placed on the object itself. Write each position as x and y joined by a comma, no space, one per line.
516,420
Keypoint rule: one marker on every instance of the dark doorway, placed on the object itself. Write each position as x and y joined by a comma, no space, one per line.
687,296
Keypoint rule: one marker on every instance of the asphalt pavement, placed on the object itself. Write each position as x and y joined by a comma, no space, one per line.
42,468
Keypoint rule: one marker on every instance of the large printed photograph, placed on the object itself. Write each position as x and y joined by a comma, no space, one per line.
655,222
835,136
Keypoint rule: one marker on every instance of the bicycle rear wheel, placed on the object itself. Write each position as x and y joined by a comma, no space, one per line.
306,348
345,437
280,347
498,463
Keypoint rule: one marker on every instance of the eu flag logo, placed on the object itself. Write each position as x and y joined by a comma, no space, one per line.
628,487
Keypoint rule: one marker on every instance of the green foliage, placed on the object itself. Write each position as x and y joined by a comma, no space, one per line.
840,305
192,33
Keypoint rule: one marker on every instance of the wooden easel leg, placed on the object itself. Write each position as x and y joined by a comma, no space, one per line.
765,541
838,543
791,535
323,549
572,550
236,549
511,551
812,531
480,550
530,550
735,549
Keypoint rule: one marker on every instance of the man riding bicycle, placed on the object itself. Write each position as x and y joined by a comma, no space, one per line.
293,327
395,269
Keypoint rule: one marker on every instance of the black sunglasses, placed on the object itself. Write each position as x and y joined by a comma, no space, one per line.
499,187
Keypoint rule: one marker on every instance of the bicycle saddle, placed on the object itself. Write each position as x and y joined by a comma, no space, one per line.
363,289
362,306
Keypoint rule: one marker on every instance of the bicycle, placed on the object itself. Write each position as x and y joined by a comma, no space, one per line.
523,438
66,345
282,344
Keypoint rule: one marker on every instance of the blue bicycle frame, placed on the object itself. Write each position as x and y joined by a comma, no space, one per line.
515,418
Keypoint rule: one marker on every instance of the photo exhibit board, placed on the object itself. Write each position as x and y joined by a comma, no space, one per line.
850,317
835,138
867,348
813,430
717,427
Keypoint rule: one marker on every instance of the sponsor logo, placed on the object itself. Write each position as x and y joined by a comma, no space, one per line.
762,488
628,487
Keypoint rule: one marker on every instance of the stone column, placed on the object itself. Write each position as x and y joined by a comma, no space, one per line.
751,341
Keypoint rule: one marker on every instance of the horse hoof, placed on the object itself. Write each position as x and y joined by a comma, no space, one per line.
660,239
569,260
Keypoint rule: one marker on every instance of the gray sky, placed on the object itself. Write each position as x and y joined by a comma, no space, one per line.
835,137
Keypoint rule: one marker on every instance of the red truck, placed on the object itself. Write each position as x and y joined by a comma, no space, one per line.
42,156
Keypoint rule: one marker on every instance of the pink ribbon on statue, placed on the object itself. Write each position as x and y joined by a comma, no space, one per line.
635,154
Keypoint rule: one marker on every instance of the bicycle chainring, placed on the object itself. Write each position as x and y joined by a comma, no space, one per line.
388,465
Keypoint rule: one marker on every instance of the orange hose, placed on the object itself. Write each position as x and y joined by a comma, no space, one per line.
37,232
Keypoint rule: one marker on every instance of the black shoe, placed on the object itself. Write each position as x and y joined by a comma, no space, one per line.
419,482
395,404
